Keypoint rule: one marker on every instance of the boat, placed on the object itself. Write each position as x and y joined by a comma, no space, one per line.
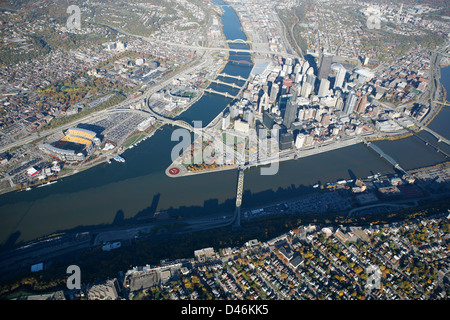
315,186
111,246
119,158
47,184
28,189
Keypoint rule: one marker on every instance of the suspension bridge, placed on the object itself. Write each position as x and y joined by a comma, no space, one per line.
233,85
225,94
226,75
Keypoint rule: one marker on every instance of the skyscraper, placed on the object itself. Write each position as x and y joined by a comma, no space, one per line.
264,102
305,67
311,79
268,120
248,116
350,103
282,103
295,91
286,140
273,93
234,111
340,75
325,66
306,89
290,114
297,68
324,87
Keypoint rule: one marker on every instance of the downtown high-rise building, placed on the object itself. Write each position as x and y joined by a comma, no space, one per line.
297,68
290,113
325,66
306,89
340,75
311,79
273,93
324,88
248,116
305,67
263,102
350,103
295,90
282,102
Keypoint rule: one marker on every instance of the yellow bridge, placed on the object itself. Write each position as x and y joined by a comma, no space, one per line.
231,76
233,85
445,103
225,94
239,41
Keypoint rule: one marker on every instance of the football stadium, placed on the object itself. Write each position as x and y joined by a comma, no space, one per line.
76,145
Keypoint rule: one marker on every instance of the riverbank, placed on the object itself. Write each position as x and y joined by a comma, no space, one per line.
444,99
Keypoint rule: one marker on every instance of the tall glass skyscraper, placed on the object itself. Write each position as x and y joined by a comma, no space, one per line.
290,113
340,75
350,103
325,66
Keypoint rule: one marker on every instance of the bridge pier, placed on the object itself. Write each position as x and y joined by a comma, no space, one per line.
237,219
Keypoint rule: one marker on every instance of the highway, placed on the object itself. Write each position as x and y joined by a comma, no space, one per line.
203,49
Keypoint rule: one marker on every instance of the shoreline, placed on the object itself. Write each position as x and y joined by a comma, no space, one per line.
444,92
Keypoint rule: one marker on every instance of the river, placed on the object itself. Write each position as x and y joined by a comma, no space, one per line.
138,187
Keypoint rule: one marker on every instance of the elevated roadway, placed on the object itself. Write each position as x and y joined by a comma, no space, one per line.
202,48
